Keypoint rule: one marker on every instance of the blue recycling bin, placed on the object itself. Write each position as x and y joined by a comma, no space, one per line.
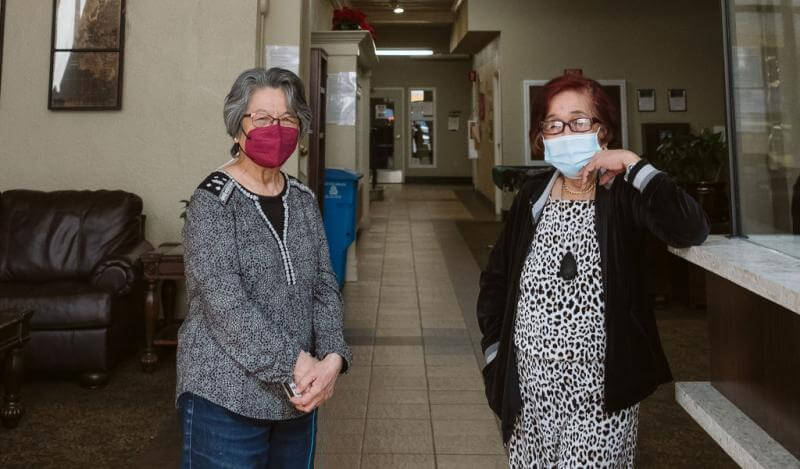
339,215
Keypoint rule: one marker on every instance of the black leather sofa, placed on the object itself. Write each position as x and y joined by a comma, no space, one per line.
73,258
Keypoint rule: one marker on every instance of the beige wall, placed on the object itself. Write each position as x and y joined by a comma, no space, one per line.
676,44
321,15
449,77
485,64
180,60
460,24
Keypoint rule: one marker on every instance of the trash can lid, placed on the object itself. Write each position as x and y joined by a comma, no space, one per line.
337,174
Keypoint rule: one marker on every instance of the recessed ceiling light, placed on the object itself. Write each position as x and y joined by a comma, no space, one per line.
404,52
398,9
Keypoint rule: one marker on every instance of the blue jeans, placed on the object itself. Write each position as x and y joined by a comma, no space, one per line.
215,437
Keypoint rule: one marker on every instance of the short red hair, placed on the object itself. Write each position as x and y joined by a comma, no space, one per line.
604,109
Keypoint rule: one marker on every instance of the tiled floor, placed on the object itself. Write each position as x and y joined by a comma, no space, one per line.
414,397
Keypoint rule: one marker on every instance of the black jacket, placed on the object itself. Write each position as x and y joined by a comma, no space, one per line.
634,360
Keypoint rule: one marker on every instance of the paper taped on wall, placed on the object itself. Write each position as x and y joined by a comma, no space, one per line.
287,57
341,108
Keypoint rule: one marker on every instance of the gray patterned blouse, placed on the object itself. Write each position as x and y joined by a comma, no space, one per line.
256,298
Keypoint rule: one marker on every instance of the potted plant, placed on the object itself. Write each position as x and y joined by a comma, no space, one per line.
351,19
696,161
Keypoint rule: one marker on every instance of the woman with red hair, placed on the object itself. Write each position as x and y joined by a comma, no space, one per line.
569,336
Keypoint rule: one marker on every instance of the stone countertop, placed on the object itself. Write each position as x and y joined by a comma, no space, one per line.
766,272
744,441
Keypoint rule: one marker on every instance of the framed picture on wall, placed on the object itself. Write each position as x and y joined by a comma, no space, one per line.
646,99
616,90
87,55
677,100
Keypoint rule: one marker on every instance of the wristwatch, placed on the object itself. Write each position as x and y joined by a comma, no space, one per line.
628,170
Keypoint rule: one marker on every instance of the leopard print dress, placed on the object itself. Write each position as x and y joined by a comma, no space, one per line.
559,335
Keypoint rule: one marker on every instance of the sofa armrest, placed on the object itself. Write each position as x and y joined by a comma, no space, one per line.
117,272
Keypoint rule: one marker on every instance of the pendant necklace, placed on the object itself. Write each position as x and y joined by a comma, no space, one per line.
569,266
568,269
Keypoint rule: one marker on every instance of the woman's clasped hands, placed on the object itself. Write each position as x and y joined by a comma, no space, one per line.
315,380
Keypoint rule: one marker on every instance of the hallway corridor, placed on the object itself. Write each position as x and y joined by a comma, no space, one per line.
414,397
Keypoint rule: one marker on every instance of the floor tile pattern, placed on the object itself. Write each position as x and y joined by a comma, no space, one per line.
414,398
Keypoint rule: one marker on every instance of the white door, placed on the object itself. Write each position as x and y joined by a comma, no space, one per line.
387,116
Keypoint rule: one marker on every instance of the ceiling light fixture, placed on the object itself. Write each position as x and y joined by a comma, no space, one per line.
404,52
397,8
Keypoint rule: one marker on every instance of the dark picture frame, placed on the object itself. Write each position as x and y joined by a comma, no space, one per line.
2,23
644,96
676,100
653,134
616,91
86,55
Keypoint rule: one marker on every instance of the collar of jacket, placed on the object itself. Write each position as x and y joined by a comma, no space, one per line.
537,206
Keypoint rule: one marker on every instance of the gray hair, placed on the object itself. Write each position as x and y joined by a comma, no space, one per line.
254,79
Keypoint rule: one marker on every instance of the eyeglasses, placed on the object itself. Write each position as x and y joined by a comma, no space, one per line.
262,119
579,125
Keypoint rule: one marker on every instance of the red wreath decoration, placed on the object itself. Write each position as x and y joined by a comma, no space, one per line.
351,18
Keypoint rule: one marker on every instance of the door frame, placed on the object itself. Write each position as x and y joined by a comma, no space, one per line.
497,131
398,127
435,159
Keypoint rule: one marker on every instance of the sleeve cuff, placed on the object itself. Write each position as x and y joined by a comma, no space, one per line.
283,370
491,352
641,175
343,351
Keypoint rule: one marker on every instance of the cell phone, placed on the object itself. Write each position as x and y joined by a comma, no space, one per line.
290,389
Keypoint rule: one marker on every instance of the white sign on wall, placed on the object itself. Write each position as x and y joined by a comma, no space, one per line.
341,108
287,57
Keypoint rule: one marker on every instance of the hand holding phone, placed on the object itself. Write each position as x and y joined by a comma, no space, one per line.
290,389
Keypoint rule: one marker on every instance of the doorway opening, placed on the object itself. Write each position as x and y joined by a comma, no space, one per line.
386,136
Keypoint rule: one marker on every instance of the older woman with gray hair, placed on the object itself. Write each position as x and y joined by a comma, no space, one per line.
262,344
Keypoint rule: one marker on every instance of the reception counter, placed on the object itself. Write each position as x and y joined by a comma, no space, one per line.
751,406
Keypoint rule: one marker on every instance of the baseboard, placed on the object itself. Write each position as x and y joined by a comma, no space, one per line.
438,180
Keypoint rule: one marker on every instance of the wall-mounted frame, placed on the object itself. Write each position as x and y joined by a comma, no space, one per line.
646,99
2,22
86,55
422,127
676,98
617,91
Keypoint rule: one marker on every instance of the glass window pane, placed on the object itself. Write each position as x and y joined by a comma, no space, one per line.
87,24
766,90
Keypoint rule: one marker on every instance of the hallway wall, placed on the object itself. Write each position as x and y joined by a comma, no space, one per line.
180,60
452,94
650,44
485,64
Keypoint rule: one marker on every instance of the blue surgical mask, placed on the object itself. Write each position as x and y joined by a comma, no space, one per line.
570,153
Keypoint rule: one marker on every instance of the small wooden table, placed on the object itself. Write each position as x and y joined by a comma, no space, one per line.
162,267
14,333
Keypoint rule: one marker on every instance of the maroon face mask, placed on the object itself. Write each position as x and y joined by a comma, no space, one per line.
271,146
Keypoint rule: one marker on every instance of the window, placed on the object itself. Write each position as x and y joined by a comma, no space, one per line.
763,88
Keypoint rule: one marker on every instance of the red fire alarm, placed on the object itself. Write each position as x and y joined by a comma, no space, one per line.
473,75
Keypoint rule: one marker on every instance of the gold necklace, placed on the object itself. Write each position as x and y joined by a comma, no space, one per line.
565,186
